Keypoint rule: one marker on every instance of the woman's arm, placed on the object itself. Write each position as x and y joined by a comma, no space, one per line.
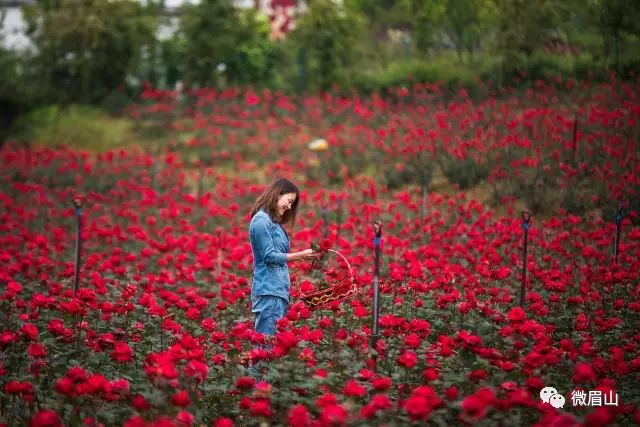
265,245
306,254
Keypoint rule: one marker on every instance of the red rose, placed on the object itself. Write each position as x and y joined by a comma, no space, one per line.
413,340
65,386
140,404
368,411
421,403
354,389
184,418
261,408
136,421
408,359
475,406
45,418
7,337
245,383
417,408
429,394
299,416
30,331
381,401
286,340
326,400
583,373
223,422
360,311
382,383
451,393
325,322
96,383
196,369
17,387
333,414
516,314
122,352
36,350
430,374
181,399
325,244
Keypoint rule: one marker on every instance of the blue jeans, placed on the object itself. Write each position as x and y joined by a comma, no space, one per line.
267,309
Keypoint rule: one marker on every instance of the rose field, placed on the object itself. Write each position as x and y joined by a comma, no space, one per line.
159,331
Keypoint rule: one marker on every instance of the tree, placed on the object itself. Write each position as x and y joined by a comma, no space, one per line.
329,33
210,33
461,23
615,20
253,60
222,44
85,48
522,26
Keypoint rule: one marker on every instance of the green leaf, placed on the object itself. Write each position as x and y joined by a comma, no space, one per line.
485,329
467,357
516,376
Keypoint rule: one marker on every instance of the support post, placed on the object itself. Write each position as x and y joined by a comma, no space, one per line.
526,218
377,227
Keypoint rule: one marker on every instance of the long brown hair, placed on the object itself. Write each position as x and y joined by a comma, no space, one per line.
268,201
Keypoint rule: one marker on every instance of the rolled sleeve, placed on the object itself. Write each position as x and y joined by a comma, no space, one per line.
265,245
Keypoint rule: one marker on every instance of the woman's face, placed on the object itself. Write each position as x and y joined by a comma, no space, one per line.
285,202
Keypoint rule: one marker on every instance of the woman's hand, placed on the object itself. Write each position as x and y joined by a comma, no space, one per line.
309,254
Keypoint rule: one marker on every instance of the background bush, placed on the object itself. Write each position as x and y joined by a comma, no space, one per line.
79,127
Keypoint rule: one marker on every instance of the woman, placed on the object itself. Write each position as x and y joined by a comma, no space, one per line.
277,205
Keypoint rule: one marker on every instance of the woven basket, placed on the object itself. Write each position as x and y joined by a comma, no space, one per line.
339,289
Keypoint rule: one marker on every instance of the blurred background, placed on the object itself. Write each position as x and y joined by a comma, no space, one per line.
99,54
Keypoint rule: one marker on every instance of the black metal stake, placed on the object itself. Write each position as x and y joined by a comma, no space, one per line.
77,202
377,227
619,217
526,217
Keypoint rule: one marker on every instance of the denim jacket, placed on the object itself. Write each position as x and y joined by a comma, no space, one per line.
270,245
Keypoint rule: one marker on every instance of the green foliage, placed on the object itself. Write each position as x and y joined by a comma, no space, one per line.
209,30
523,26
86,47
115,103
329,35
222,45
615,20
414,169
252,62
461,23
465,172
89,50
444,69
173,65
11,99
451,74
80,127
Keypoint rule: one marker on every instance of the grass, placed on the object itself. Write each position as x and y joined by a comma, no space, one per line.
78,127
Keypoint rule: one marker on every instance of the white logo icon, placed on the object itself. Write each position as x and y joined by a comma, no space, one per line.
551,396
546,393
557,401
